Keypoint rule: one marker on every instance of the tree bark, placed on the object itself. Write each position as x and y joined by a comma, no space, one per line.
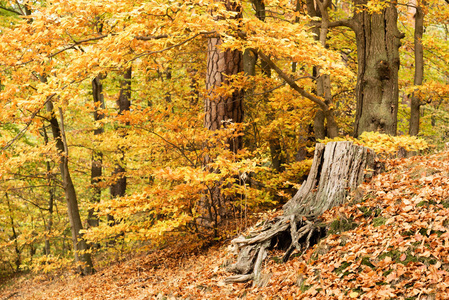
18,260
79,244
118,188
377,92
323,82
419,70
220,110
337,169
96,170
51,197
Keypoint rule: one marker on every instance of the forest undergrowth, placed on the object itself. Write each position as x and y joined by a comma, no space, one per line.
390,242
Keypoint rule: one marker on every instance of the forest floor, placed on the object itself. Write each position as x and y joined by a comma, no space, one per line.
391,241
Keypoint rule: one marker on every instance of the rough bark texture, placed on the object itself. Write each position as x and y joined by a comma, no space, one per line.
419,70
377,92
337,169
222,107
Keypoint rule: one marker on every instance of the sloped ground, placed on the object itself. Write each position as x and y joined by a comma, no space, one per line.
392,243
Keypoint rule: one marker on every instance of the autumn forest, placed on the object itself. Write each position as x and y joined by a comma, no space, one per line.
140,126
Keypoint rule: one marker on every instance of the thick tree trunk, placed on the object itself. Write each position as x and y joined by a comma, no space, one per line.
337,169
419,70
79,244
221,109
319,129
377,92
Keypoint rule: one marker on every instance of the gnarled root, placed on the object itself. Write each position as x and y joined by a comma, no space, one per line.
286,232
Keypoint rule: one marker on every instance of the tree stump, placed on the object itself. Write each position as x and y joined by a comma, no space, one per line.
337,169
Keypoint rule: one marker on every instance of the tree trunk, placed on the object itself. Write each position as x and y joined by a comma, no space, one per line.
419,70
220,109
18,260
118,188
319,8
377,92
327,110
249,65
324,81
51,197
337,169
79,244
96,170
319,129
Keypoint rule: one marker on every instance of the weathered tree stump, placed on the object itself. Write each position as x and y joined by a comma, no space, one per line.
337,169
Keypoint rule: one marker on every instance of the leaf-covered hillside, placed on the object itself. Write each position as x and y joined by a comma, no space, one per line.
391,242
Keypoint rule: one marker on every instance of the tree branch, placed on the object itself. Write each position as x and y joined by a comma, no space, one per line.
172,46
280,85
11,10
22,132
149,38
340,23
20,8
291,82
76,43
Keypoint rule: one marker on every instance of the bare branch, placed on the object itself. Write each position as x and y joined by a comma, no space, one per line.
172,46
340,23
149,38
20,8
22,132
11,10
281,85
291,82
76,43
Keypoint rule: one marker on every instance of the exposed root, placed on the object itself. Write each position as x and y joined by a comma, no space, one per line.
299,235
337,169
